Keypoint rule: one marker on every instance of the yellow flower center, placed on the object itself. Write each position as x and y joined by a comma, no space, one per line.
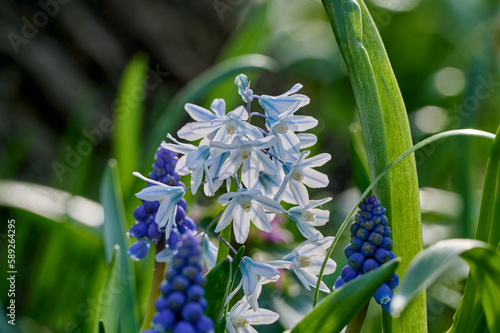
246,152
246,205
231,127
298,175
308,216
241,321
281,128
304,261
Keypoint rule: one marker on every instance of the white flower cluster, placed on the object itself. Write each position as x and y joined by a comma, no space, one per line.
266,167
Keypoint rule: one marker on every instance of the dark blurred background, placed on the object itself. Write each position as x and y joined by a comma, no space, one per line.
61,69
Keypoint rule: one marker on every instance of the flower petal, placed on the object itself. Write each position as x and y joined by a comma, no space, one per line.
259,219
198,113
241,225
299,193
269,205
219,107
314,178
307,140
226,217
317,160
261,317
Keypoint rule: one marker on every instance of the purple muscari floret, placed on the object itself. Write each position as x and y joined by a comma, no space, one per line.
146,230
369,248
181,304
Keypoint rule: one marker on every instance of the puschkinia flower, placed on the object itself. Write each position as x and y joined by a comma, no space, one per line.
241,318
255,273
245,206
168,196
306,261
370,248
247,153
288,103
301,173
288,143
217,126
208,251
309,217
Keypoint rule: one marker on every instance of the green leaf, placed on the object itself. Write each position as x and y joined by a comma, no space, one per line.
387,134
469,313
199,87
335,311
220,280
114,234
483,260
110,299
127,117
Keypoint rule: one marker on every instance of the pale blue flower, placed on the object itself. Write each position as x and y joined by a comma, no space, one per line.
247,153
208,251
306,261
301,173
203,125
244,90
168,196
309,217
289,143
218,126
245,206
288,102
193,162
253,276
165,255
241,318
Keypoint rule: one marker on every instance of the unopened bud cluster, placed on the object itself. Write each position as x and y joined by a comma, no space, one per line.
370,247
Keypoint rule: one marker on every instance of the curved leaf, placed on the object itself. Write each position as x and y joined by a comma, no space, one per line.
433,261
221,280
109,304
114,234
335,311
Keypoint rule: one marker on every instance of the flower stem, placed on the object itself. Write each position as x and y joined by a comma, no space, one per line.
158,275
356,323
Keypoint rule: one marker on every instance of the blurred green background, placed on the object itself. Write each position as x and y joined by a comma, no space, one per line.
69,102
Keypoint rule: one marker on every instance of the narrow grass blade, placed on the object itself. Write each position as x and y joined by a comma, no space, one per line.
469,312
109,303
338,308
114,234
127,117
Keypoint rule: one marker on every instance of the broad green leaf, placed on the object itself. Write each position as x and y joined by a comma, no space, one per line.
127,117
199,87
387,134
110,299
220,280
335,311
358,160
114,234
483,260
469,313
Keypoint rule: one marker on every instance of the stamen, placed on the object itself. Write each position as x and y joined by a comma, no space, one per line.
298,175
304,261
